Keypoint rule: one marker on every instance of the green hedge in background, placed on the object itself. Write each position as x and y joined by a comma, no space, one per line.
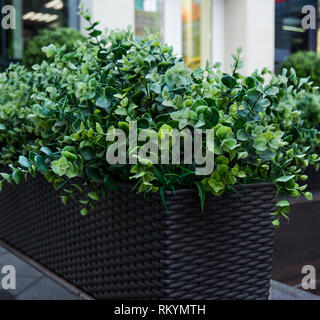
309,106
306,64
59,37
17,131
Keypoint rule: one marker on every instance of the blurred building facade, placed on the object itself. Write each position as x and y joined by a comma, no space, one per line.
30,17
200,30
289,35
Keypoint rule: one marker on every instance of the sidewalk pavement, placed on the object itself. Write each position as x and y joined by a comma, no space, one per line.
31,284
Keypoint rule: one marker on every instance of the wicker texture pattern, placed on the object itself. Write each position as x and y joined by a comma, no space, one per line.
128,247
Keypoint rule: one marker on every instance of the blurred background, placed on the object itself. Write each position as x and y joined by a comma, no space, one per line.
200,30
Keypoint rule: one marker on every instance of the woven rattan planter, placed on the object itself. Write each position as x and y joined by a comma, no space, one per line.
130,248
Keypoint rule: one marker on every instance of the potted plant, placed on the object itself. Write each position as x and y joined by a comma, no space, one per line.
183,235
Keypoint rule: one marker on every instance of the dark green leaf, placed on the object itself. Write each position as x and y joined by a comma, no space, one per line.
229,81
87,153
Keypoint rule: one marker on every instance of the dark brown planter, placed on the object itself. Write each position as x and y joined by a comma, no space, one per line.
313,179
128,247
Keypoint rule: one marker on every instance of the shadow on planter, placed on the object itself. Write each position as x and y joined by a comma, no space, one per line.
313,178
128,247
297,244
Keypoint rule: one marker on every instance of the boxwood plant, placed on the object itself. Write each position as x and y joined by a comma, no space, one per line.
16,126
76,100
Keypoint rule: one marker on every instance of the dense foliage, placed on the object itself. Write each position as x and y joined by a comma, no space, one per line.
85,94
309,106
305,107
16,126
59,37
306,64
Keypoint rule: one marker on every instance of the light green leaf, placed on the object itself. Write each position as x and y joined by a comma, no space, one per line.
6,176
84,211
24,162
308,195
283,203
47,151
93,196
276,223
64,199
99,128
285,178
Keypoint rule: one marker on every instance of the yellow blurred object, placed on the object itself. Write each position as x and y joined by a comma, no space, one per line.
193,62
194,15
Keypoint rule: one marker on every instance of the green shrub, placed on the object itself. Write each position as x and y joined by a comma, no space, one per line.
84,96
59,37
306,64
309,107
16,126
